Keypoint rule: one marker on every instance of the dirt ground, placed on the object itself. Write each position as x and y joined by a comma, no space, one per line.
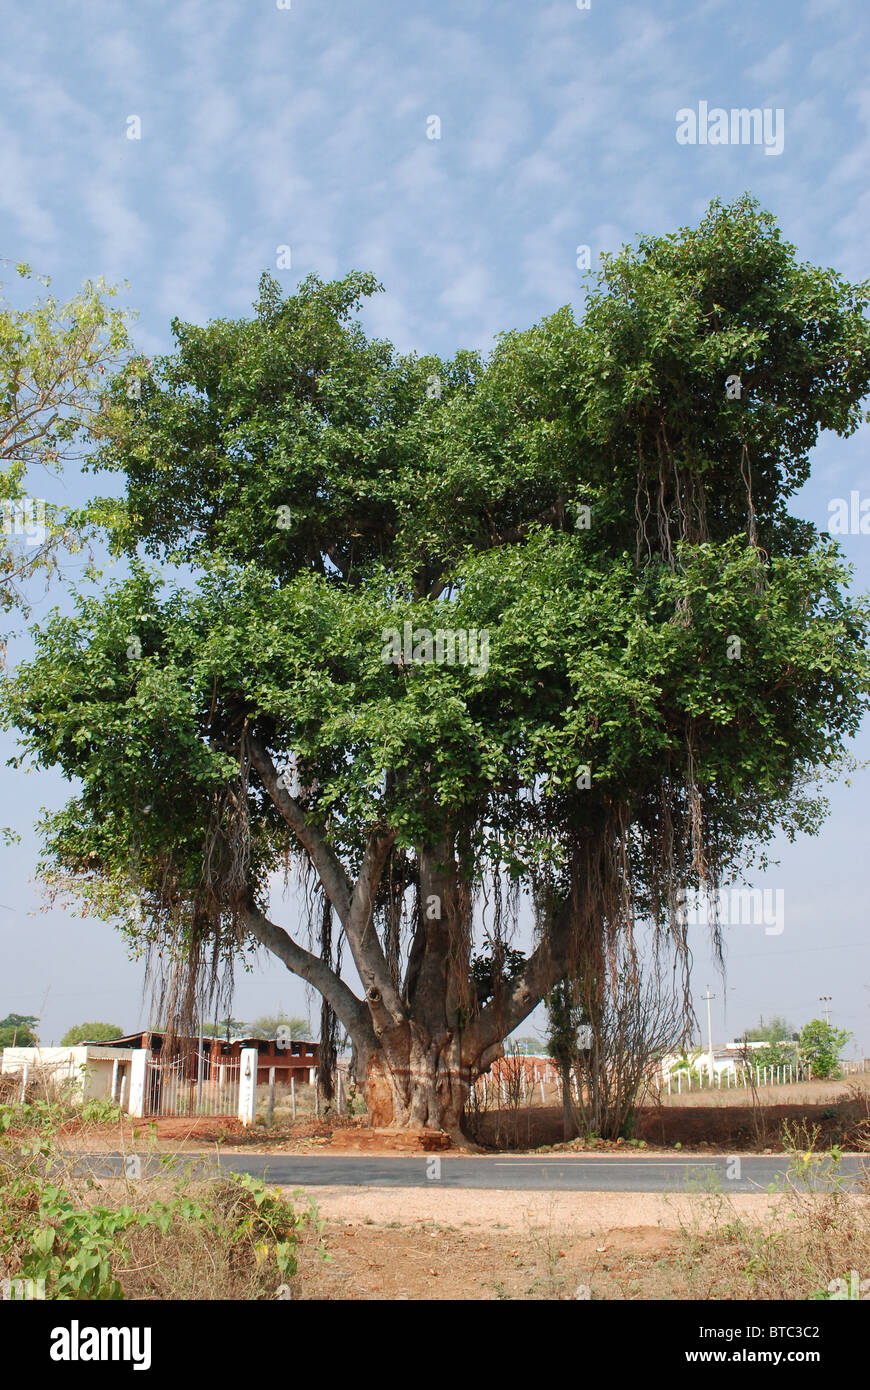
694,1129
409,1244
702,1122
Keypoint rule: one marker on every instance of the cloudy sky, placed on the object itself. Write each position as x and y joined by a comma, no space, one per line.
310,127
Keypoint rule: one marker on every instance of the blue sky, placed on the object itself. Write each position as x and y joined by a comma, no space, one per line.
307,127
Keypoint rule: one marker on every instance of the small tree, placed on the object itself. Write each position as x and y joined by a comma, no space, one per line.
565,1011
820,1045
223,1028
267,1026
90,1032
778,1030
634,1020
776,1054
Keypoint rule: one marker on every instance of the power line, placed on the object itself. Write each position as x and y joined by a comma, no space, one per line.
799,950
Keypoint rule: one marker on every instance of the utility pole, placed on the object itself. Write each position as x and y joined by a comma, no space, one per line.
826,999
709,998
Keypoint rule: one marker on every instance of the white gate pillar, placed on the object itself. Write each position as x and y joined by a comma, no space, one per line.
137,1105
248,1085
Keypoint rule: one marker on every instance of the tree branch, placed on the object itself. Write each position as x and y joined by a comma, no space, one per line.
336,883
354,902
351,1011
547,964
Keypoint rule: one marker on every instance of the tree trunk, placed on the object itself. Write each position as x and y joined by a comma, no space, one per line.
418,1045
414,1081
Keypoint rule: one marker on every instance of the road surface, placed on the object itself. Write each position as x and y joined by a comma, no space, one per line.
569,1173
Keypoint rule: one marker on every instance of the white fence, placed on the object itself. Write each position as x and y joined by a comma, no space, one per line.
742,1075
740,1078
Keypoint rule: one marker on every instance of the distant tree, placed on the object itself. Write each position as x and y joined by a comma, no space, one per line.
778,1030
775,1054
531,1046
267,1026
90,1032
779,1036
224,1028
18,1030
820,1045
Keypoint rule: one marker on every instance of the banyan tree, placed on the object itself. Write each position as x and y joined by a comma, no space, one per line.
456,640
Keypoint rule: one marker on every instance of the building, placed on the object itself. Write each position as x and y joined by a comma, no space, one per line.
299,1059
90,1071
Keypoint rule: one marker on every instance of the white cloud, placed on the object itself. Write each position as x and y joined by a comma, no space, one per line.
772,70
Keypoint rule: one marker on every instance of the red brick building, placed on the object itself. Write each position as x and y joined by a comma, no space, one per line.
298,1058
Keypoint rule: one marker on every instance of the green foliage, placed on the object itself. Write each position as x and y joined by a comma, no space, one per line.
776,1054
781,1050
776,1031
265,1219
227,1027
267,1026
53,360
494,969
78,1249
820,1045
91,1032
99,1110
18,1030
565,1014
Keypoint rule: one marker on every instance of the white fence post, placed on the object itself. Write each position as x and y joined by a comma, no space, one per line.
137,1104
248,1085
271,1113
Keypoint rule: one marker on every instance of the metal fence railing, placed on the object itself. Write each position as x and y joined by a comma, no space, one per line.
174,1088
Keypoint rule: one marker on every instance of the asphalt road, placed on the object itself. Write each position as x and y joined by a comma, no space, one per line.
571,1173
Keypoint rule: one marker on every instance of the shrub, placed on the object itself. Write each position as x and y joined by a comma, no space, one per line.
167,1237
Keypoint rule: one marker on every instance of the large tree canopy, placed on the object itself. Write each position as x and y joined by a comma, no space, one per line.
651,659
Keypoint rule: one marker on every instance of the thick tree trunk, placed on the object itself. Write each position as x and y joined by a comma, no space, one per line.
414,1081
